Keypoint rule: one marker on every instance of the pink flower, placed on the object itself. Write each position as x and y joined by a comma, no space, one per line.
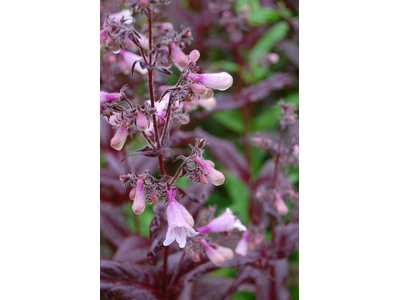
242,246
217,81
280,205
139,202
118,141
198,89
141,121
272,57
215,257
178,227
215,177
227,253
128,59
180,59
209,103
108,97
194,55
225,222
123,13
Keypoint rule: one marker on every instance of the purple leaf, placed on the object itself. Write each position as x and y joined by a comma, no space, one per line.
264,88
158,230
112,224
123,281
133,249
146,151
291,50
286,239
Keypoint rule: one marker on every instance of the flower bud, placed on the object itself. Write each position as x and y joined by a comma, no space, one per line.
125,13
128,59
194,55
195,256
141,121
227,253
198,89
166,26
203,179
242,246
213,255
118,141
208,104
209,162
180,59
219,81
140,202
108,97
225,222
215,177
273,58
132,194
144,41
153,198
207,95
280,205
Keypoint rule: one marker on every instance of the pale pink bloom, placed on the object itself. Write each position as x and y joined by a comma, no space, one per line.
132,194
195,256
225,222
272,57
103,36
242,246
118,141
181,60
108,97
128,59
296,149
209,93
208,104
280,204
187,215
144,41
178,228
139,203
217,81
141,121
198,89
215,257
113,119
123,13
165,26
215,177
150,131
227,253
194,55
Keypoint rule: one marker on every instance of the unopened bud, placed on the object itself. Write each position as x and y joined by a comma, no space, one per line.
180,59
280,204
198,89
153,198
194,55
273,58
227,253
132,194
195,256
141,121
118,141
213,255
203,179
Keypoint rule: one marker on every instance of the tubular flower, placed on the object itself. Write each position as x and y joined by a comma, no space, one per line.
125,13
178,226
139,202
227,253
118,141
242,246
225,222
217,81
215,177
108,97
181,60
141,121
215,257
280,205
128,59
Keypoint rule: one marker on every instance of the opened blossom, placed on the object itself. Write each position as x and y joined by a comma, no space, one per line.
128,59
178,227
225,222
214,176
217,81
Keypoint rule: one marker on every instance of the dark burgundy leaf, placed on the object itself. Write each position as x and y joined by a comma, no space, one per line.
265,176
112,223
146,151
291,50
133,249
200,192
158,229
271,211
124,290
127,272
244,273
271,283
227,154
286,239
212,288
264,88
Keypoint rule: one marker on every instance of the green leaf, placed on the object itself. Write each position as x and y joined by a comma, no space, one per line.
266,43
231,119
228,66
243,295
144,219
224,272
258,15
239,193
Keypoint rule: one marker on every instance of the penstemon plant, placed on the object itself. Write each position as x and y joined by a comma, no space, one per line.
191,242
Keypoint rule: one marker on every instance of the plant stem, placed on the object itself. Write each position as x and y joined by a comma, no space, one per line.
148,139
